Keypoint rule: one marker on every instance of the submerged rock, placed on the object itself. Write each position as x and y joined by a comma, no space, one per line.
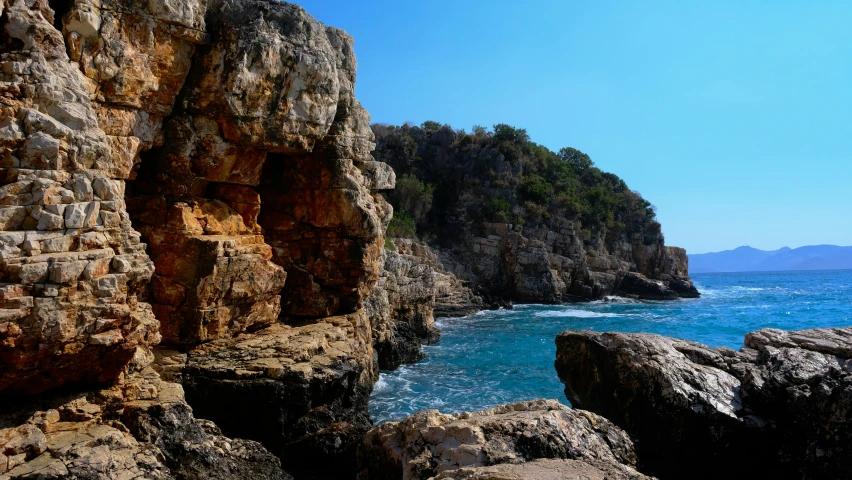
780,407
498,442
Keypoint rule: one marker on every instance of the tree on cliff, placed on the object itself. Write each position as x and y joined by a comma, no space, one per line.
450,177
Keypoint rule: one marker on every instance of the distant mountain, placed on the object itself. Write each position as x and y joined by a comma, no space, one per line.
747,259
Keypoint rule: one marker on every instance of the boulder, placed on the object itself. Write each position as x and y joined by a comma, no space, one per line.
778,407
507,440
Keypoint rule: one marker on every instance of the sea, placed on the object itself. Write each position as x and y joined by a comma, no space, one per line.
503,356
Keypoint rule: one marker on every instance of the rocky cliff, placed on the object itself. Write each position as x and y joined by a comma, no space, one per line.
196,173
412,290
524,223
779,407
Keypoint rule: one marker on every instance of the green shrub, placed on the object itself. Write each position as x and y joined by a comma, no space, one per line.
412,196
389,244
402,226
536,189
498,211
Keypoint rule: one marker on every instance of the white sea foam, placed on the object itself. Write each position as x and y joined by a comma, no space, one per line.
381,384
573,313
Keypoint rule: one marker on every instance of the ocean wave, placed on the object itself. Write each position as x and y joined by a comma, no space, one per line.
573,313
615,299
381,384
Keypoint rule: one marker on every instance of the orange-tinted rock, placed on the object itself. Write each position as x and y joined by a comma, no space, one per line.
214,278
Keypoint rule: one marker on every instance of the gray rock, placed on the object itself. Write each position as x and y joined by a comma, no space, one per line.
496,441
780,407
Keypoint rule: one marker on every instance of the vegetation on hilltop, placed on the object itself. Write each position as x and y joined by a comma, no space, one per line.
447,176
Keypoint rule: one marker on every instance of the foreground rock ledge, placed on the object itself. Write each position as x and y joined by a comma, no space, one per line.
537,439
301,391
141,428
781,407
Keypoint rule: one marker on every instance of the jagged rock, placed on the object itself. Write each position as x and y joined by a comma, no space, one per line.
779,407
140,429
495,442
301,391
290,122
71,265
401,306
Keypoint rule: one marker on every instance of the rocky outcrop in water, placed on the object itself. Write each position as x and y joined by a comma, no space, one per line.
412,290
521,440
779,407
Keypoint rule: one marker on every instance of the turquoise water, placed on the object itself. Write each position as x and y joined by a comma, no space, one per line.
503,356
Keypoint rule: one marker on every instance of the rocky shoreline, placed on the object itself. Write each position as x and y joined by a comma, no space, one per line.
195,280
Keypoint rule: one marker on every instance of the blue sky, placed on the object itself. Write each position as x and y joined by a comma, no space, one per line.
734,118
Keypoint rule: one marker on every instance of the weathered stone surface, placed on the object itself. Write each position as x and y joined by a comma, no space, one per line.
269,103
136,56
141,429
401,307
68,313
214,276
301,391
778,407
326,230
484,444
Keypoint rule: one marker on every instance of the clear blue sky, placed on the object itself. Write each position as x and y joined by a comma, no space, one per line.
734,118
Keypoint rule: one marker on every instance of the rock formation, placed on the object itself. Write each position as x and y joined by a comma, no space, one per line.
228,133
72,267
412,290
301,391
526,440
508,218
141,428
779,407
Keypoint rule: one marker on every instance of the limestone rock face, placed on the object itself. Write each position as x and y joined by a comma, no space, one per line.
778,407
412,290
552,265
302,391
229,132
266,138
278,84
142,429
71,265
511,438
